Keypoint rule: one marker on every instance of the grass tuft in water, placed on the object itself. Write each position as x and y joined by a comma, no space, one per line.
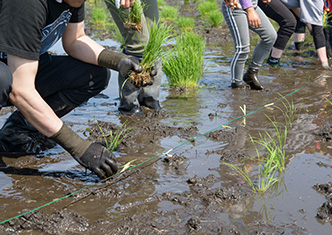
169,13
186,23
113,139
184,67
215,18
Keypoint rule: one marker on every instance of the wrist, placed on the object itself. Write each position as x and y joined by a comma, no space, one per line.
110,59
70,141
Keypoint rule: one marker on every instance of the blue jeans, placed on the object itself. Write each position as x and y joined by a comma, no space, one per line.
237,22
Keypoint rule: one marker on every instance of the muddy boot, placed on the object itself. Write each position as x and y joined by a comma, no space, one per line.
18,137
150,95
128,93
250,77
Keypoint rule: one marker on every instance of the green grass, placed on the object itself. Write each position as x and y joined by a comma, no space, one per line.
184,67
215,18
274,144
113,139
186,23
289,111
169,13
161,3
99,17
206,7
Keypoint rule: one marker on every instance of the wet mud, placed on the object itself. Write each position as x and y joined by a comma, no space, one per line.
177,182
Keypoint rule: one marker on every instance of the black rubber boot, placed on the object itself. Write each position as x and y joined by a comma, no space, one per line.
18,137
151,103
135,111
250,77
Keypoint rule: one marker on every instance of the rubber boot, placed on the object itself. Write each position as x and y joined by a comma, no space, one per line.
150,95
18,137
250,77
128,93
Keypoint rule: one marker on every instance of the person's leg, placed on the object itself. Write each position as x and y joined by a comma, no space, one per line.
132,97
237,23
64,83
268,37
6,81
319,41
278,12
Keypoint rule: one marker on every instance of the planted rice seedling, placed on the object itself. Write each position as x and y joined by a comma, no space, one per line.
184,67
169,13
266,176
289,111
274,144
113,139
215,18
185,23
206,7
99,17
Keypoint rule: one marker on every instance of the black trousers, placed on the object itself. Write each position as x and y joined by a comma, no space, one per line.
278,12
76,80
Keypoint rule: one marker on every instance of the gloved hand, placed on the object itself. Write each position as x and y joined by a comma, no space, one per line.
99,160
120,62
93,156
143,79
128,64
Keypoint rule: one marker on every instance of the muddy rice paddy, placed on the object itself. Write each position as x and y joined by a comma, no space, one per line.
188,190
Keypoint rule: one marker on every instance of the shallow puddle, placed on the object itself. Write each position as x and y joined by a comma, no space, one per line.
180,192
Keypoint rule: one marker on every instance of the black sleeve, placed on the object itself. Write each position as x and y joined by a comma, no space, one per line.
78,14
21,24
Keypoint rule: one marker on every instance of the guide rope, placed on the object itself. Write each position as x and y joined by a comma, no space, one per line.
165,153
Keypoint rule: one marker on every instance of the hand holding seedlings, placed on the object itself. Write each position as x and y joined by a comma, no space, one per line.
232,4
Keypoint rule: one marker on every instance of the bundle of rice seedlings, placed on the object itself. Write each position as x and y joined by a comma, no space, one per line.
160,33
185,23
185,67
135,17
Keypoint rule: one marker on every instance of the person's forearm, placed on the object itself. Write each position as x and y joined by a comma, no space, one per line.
79,45
26,98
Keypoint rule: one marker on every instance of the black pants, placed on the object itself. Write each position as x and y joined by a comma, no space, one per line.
278,12
76,80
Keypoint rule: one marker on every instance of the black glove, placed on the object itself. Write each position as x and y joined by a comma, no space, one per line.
127,64
99,160
119,62
93,156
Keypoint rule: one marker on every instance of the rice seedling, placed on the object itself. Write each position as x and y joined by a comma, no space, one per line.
186,1
99,17
161,3
274,144
169,13
215,18
134,19
113,139
184,67
185,23
266,176
206,7
153,51
289,111
330,102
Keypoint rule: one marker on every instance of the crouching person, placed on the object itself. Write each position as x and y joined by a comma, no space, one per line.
45,87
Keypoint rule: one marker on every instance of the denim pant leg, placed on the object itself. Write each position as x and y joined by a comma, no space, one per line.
6,80
268,37
237,22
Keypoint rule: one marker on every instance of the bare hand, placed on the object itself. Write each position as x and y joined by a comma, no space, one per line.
127,3
232,3
253,18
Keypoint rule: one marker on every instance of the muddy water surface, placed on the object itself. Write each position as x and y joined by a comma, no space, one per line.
189,190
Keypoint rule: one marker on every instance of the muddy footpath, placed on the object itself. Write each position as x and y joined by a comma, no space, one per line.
177,182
